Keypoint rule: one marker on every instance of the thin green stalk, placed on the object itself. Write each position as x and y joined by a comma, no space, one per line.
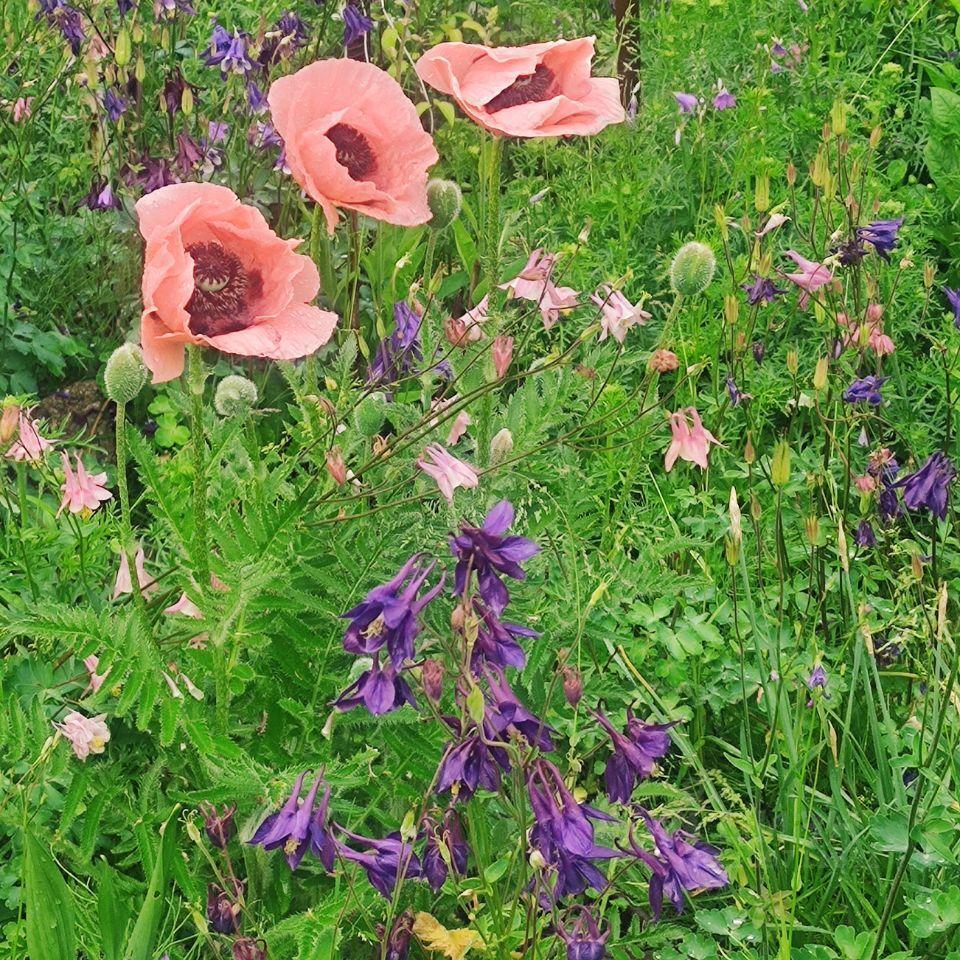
126,526
201,540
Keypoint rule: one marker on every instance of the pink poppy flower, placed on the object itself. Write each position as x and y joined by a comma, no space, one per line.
86,734
215,274
123,584
29,447
538,90
617,313
810,278
447,470
352,139
691,440
82,492
96,679
533,283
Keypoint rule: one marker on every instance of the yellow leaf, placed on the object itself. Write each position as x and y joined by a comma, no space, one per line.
451,943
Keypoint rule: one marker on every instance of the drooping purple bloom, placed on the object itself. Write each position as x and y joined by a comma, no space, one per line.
864,535
497,642
488,553
763,289
686,102
817,679
888,504
471,762
154,172
322,843
170,8
173,88
218,824
385,861
380,689
681,865
292,826
736,397
399,354
217,131
507,715
724,100
449,834
125,6
850,252
223,908
584,940
953,298
356,25
865,390
293,33
227,52
881,235
635,752
398,940
101,196
256,98
114,105
388,615
929,487
69,22
188,154
759,349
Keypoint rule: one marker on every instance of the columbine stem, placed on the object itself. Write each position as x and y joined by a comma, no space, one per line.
201,543
126,526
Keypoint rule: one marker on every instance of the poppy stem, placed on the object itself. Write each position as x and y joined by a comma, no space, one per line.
126,526
201,556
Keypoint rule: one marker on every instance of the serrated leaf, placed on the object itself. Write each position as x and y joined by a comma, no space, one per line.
51,929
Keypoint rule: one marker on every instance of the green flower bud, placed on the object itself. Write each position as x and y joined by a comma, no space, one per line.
125,373
368,416
235,396
692,269
444,199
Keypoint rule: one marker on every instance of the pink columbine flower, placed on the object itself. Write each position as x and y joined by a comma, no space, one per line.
96,679
869,334
86,734
502,353
810,278
473,318
447,470
29,447
124,584
865,483
617,313
82,492
533,283
22,109
459,428
690,442
775,220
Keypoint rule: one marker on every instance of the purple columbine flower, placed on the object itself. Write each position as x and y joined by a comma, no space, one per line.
736,396
217,131
295,827
398,940
817,679
762,290
218,824
223,908
356,25
865,390
471,761
583,940
125,6
173,88
293,33
155,172
188,154
929,487
399,354
497,642
686,102
449,834
114,105
170,8
759,349
635,752
380,689
507,715
888,504
953,298
385,861
70,23
488,553
388,616
724,100
256,98
881,235
101,196
227,52
864,535
681,865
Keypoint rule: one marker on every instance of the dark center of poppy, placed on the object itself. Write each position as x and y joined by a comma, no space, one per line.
353,150
529,88
222,290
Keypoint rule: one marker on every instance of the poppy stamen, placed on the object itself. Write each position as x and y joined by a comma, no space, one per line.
529,88
353,151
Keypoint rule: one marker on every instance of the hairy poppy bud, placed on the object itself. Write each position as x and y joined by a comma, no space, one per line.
125,373
444,200
368,416
235,396
501,446
692,269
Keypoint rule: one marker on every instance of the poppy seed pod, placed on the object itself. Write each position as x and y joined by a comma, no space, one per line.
692,269
235,396
125,373
444,200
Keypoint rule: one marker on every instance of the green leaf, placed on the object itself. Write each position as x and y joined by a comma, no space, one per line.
934,912
51,933
113,912
143,938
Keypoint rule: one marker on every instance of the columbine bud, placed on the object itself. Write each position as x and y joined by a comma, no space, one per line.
235,396
475,705
572,685
218,824
125,373
759,349
431,676
246,949
929,273
692,269
916,566
336,466
537,861
731,550
838,118
502,353
811,526
9,422
749,454
780,467
444,200
731,308
663,361
842,548
223,908
501,446
820,373
455,331
793,362
791,174
736,518
122,49
761,199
